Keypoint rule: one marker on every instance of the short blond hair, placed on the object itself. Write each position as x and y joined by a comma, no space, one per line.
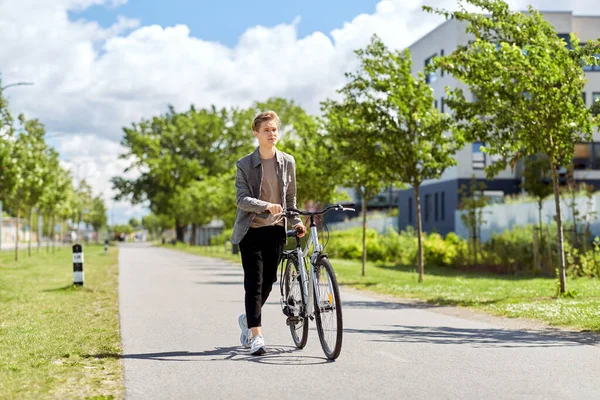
264,117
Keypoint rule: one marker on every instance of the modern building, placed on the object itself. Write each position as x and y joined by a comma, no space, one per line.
440,198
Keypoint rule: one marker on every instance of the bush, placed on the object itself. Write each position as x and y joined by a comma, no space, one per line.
512,250
396,247
222,238
580,263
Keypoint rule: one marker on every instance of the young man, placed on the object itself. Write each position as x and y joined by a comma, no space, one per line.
265,183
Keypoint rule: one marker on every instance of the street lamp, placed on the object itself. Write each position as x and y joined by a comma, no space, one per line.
16,84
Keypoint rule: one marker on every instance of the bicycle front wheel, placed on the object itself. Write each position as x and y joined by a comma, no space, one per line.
328,309
294,303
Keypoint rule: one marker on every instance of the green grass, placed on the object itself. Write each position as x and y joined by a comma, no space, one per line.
526,297
50,330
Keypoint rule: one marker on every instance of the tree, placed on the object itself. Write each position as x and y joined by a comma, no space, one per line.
82,204
409,137
176,149
97,216
537,177
30,170
356,167
156,224
527,84
317,172
473,201
134,223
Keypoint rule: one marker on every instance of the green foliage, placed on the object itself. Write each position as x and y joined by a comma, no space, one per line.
538,175
525,80
387,119
584,264
397,247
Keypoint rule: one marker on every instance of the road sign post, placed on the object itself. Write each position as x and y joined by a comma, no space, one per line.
77,265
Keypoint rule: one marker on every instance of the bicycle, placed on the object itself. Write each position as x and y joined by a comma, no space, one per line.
309,291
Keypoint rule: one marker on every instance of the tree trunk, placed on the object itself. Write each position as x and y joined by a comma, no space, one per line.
561,246
193,235
179,232
540,221
52,236
48,234
17,235
40,230
60,238
30,232
364,237
421,267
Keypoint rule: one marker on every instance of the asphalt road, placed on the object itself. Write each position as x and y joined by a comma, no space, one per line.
181,341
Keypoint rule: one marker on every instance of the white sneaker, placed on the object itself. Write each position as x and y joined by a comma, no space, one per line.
246,333
257,345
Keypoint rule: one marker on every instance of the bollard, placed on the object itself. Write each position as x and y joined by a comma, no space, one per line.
105,246
77,265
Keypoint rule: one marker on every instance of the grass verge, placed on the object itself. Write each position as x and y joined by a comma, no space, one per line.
525,297
50,330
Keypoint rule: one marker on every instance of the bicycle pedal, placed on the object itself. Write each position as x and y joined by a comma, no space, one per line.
286,311
292,321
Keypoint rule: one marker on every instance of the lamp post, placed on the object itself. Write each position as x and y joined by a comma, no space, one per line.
16,84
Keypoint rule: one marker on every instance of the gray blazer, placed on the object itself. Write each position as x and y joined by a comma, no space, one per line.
248,180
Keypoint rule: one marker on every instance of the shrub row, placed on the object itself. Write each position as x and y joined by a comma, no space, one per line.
509,252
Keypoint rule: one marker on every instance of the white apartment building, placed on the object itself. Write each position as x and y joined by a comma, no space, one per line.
439,198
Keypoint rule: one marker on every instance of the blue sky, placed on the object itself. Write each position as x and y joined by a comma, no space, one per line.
225,20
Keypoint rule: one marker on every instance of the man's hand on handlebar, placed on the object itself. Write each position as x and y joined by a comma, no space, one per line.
301,229
274,209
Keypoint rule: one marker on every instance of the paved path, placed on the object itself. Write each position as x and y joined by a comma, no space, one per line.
181,341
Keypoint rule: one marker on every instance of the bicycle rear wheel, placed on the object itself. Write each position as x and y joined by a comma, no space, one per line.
294,303
328,311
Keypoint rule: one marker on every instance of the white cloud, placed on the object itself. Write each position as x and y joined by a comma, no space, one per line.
91,81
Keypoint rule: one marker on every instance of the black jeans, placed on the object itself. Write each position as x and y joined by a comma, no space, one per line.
261,251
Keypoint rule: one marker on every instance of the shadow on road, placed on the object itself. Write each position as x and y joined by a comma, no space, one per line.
488,337
385,305
280,355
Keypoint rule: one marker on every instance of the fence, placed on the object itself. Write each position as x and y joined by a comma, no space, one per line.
380,224
501,217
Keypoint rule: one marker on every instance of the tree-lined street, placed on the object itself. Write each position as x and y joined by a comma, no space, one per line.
181,340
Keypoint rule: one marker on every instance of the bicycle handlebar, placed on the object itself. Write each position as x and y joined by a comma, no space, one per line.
293,212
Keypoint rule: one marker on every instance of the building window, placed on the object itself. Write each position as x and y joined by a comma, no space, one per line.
442,71
478,157
595,97
582,157
442,102
442,206
432,76
583,96
567,38
435,104
436,207
596,156
427,207
410,212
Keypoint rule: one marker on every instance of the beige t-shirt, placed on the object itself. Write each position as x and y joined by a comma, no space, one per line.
269,191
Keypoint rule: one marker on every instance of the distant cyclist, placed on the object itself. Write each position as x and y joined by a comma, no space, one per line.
265,182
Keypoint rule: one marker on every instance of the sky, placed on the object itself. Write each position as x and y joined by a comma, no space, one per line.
100,65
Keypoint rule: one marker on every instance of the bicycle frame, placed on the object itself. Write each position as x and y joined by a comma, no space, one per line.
308,282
